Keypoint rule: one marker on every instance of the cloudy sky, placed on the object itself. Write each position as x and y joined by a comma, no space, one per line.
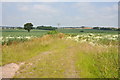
65,13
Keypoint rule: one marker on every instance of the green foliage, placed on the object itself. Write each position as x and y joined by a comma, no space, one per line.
107,64
82,26
98,63
118,29
82,31
28,26
19,27
96,27
105,28
52,32
46,28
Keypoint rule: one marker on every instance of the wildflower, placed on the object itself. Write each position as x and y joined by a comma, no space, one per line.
28,37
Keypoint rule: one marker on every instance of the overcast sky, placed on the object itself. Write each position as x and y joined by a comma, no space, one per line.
65,13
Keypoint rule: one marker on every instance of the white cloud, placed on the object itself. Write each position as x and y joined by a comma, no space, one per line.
48,14
112,8
45,8
38,8
86,8
41,14
97,15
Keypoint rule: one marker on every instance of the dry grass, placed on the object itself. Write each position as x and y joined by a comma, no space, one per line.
54,57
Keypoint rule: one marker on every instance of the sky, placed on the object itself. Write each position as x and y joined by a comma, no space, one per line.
59,0
67,14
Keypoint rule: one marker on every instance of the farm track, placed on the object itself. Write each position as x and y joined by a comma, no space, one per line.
67,62
71,71
9,70
41,57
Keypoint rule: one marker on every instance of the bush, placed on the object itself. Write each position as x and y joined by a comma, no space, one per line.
53,32
81,31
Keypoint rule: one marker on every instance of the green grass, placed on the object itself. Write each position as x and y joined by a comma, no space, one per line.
26,50
99,61
45,65
90,61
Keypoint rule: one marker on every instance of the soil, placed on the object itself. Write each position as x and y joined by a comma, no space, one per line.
9,70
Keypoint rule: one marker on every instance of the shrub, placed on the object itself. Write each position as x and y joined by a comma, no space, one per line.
82,31
53,32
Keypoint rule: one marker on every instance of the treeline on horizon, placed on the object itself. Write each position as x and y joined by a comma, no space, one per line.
46,27
54,28
38,27
106,28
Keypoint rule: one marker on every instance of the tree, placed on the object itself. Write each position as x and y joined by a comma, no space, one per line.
82,26
28,26
96,27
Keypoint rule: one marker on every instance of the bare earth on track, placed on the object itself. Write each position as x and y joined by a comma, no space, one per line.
9,70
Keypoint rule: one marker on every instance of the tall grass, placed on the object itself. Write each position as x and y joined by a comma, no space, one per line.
89,61
23,51
97,61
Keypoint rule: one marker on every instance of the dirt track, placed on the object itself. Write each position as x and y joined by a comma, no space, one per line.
9,70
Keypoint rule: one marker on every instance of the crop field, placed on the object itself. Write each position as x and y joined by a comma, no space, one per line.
68,53
9,35
80,31
22,32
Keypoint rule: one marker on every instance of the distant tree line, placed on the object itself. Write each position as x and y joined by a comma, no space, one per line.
106,28
46,28
12,27
29,26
